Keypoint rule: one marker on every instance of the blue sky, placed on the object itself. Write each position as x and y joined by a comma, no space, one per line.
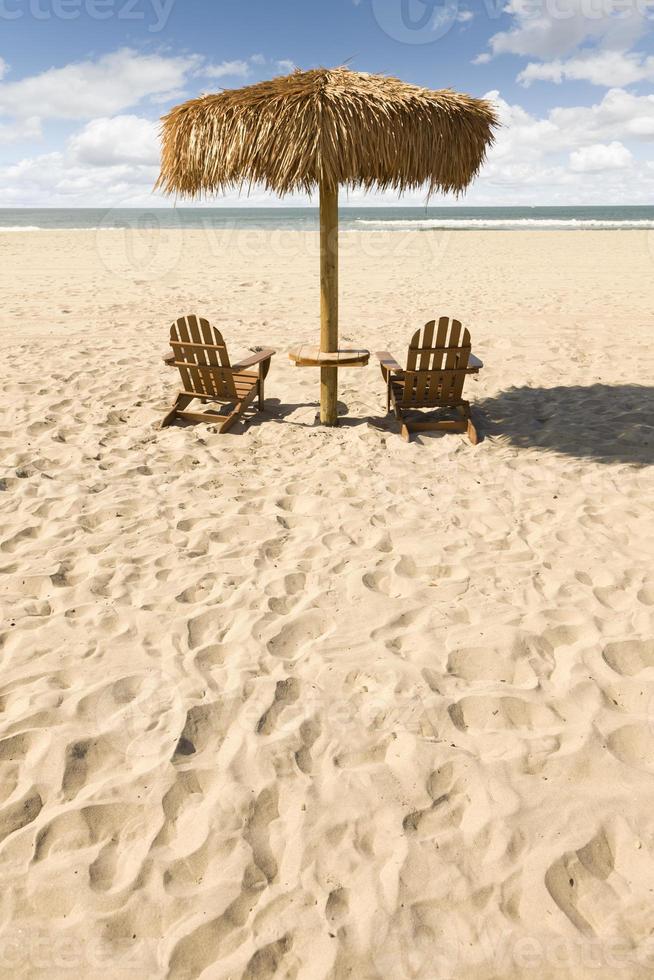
83,83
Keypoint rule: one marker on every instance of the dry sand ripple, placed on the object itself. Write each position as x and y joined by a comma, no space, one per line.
306,703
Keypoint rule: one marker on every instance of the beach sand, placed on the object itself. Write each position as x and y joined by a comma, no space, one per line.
300,702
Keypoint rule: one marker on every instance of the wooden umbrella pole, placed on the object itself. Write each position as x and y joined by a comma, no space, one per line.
328,301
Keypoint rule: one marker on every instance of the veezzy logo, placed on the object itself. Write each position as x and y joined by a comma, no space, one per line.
415,21
142,247
425,21
153,13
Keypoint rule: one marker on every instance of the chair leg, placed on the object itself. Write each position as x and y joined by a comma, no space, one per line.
392,398
466,426
180,403
239,408
231,418
471,430
260,392
472,433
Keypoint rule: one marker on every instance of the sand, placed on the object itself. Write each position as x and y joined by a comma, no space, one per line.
311,703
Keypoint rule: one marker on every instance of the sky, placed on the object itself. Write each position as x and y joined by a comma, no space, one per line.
83,84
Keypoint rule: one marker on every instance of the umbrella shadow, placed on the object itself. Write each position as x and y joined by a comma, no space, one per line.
606,423
278,411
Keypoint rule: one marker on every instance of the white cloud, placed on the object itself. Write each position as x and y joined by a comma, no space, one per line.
21,131
551,29
547,160
600,68
4,68
240,69
579,40
54,180
243,69
114,158
619,115
121,139
601,157
111,84
464,16
88,89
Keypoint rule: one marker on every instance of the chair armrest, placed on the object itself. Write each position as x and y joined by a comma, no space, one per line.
256,358
388,364
474,362
169,358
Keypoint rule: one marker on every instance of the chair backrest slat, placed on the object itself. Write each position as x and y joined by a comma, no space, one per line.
424,343
436,367
202,358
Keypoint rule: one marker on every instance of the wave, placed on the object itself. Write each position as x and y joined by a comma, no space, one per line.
501,223
379,224
8,228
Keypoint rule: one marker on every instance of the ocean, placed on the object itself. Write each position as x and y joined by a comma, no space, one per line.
351,218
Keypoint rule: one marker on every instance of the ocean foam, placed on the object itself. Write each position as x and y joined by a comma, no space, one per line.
501,223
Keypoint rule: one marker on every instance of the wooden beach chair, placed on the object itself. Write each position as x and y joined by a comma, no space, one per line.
199,351
436,369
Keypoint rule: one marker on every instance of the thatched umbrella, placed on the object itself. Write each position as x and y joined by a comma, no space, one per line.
324,128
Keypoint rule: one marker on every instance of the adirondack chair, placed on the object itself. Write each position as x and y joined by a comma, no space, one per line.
199,351
436,370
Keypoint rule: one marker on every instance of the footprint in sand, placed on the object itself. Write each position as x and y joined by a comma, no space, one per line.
185,790
565,635
310,731
203,945
389,631
629,657
206,627
286,692
504,665
444,811
481,713
136,712
205,726
184,876
199,592
291,587
299,634
269,551
15,748
646,593
256,831
123,832
9,545
86,761
574,881
337,906
19,814
633,745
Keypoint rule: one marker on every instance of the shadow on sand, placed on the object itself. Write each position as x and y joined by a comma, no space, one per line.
278,411
607,423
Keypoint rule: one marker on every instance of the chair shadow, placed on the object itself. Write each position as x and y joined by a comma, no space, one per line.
278,411
607,423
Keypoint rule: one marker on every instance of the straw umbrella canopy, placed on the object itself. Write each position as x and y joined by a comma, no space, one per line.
322,129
